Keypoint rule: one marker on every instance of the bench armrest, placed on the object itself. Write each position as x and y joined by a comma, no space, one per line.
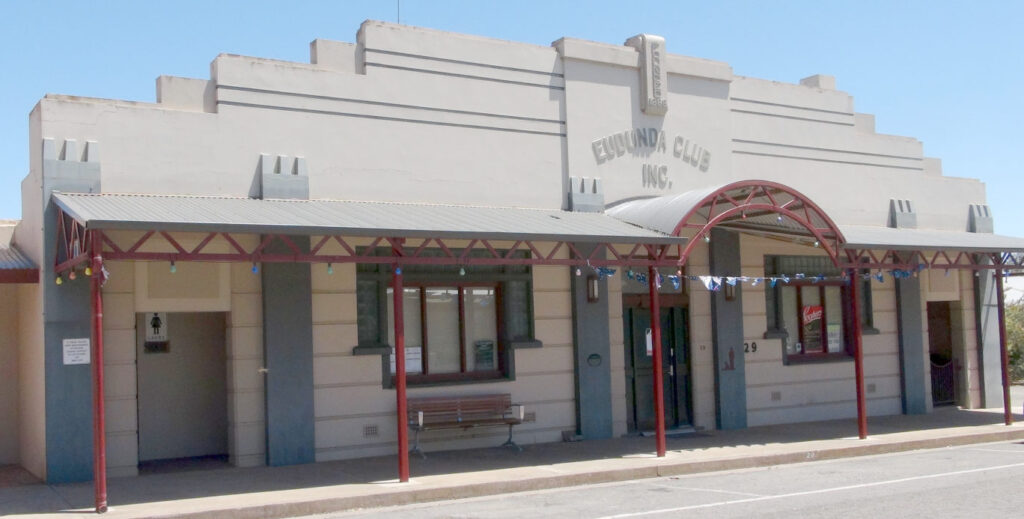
418,420
517,411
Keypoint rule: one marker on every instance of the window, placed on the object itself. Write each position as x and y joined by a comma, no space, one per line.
461,323
810,316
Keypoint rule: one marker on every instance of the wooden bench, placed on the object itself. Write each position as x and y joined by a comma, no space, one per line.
463,412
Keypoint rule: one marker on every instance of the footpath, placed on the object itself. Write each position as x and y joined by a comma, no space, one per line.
226,492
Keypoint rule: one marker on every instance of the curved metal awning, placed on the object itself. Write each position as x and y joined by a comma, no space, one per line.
759,206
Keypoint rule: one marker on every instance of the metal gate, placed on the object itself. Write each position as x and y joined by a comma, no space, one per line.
943,383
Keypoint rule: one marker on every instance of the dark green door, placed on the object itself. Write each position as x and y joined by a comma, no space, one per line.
639,368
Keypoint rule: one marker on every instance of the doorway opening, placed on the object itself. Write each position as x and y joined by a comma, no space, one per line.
636,320
181,375
940,348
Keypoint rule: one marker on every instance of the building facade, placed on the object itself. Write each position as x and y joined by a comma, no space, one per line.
418,133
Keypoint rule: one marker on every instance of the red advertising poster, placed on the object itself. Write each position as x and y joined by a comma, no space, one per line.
811,319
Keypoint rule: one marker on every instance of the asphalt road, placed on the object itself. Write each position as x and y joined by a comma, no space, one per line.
974,481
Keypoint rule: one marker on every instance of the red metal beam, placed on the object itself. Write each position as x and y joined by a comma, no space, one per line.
99,452
19,276
400,389
858,356
659,388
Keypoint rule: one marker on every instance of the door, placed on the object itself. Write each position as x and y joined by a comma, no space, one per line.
640,363
940,349
182,388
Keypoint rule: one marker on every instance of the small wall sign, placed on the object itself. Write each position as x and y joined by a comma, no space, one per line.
156,333
76,351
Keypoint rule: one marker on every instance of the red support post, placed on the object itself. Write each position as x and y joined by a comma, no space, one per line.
1004,358
403,425
858,355
659,388
99,450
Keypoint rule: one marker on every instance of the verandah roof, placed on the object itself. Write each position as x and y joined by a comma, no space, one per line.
350,218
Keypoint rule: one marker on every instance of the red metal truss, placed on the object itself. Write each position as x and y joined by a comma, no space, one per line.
280,248
932,259
737,205
73,243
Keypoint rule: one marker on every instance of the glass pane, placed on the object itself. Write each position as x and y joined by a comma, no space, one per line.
834,319
413,334
443,330
790,320
481,329
367,312
811,319
517,298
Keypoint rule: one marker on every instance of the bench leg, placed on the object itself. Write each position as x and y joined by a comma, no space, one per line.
416,444
509,442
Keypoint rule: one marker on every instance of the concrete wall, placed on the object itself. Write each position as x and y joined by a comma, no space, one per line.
31,392
9,374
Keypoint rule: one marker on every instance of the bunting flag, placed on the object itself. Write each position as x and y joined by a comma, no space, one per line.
715,283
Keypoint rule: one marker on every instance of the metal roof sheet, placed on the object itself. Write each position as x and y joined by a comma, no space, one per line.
354,218
13,259
869,237
661,213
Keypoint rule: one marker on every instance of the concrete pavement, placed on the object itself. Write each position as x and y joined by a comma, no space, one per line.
341,485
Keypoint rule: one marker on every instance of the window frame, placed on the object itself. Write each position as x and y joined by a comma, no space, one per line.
776,328
425,376
373,339
823,355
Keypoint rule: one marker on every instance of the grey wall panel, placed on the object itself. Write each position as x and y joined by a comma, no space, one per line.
592,349
727,334
913,368
288,354
66,315
987,315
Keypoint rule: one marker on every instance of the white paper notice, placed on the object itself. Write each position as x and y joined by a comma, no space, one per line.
76,351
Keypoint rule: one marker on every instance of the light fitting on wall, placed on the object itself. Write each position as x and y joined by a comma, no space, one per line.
593,289
174,268
330,269
730,292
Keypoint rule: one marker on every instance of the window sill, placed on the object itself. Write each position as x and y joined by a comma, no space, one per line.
453,379
817,358
776,333
869,330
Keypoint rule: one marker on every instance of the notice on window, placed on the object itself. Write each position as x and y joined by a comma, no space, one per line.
835,337
413,359
812,318
650,343
76,351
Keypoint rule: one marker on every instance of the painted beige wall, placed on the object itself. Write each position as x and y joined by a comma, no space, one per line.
807,392
31,388
9,424
350,402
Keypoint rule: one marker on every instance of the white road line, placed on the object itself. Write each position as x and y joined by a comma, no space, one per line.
733,492
812,492
1015,451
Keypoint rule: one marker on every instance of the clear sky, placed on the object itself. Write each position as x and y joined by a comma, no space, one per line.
950,74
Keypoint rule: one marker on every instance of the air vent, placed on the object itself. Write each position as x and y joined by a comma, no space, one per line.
370,431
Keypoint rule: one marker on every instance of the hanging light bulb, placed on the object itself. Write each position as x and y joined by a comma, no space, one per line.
255,269
778,218
817,243
330,269
462,271
174,268
59,281
88,271
72,275
579,272
398,271
707,238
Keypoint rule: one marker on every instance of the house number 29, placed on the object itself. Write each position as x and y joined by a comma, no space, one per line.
750,347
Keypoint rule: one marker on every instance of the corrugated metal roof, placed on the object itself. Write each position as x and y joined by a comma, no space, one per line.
868,237
353,218
661,213
13,259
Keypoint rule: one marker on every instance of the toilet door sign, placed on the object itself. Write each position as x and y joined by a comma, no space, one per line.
156,332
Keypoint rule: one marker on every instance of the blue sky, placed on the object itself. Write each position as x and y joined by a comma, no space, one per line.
949,74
